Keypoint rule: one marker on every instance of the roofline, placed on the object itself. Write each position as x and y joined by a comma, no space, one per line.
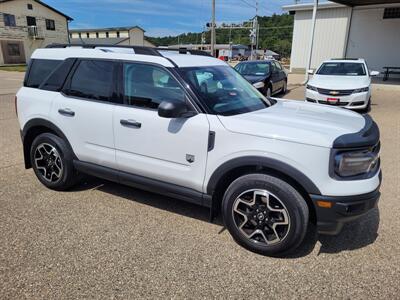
49,7
309,6
104,29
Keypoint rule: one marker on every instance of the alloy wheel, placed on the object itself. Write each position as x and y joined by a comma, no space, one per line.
261,217
48,162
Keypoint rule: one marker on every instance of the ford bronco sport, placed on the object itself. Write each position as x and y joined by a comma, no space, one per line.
189,126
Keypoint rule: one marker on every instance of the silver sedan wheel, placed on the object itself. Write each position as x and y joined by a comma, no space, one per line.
48,162
261,217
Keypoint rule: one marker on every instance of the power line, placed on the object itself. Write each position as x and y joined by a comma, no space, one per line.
249,4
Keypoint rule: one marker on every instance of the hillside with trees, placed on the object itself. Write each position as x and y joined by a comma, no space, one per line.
275,34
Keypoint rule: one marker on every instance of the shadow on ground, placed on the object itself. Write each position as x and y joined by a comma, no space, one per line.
355,235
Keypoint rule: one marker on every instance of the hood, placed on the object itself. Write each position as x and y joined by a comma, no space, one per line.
298,122
255,78
339,82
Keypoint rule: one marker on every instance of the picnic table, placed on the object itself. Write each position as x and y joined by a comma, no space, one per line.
390,70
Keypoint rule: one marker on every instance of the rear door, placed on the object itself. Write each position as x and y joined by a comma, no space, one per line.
84,111
275,78
169,150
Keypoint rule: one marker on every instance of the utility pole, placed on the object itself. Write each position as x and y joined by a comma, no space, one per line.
258,27
213,29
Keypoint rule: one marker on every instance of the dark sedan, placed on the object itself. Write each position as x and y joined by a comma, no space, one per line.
268,76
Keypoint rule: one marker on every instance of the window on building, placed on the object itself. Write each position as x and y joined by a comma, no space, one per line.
31,21
9,20
39,70
107,35
30,6
97,35
13,49
87,35
80,35
50,24
93,79
117,34
392,13
147,86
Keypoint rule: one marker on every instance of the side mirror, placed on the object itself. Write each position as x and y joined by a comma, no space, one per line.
174,109
311,72
374,73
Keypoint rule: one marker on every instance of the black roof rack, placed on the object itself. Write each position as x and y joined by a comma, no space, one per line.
138,49
345,58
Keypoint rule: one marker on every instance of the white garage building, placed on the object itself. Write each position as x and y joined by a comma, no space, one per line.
362,28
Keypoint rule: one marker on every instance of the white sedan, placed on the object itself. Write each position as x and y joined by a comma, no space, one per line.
345,83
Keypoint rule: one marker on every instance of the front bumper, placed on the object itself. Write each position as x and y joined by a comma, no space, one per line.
353,101
343,209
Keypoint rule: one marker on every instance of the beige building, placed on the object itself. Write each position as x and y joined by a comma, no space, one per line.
110,36
26,25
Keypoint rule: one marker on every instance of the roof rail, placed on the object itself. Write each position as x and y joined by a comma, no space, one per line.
184,51
138,49
345,58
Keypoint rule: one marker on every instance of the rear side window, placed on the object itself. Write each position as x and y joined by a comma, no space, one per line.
92,79
56,79
39,70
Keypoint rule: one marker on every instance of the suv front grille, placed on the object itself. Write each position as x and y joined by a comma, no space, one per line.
335,92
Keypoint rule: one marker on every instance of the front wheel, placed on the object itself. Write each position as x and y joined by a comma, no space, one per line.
265,214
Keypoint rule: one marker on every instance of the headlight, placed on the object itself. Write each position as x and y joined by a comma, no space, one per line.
362,90
310,87
259,85
355,163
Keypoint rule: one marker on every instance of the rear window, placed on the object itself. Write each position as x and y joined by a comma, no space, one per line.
39,70
92,79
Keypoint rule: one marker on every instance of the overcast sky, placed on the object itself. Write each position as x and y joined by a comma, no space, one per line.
161,17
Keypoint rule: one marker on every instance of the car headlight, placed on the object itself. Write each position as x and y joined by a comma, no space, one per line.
310,87
259,85
353,163
362,90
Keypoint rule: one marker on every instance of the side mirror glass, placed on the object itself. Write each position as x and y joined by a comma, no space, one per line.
374,73
174,109
311,72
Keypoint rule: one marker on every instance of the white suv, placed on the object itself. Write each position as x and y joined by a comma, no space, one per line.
341,82
139,116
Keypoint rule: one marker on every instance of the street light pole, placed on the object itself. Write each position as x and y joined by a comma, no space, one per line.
213,29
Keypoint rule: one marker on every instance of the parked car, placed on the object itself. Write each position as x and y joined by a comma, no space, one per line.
342,82
269,166
268,76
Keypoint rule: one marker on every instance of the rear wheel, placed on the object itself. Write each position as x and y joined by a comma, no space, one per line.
284,88
265,214
52,162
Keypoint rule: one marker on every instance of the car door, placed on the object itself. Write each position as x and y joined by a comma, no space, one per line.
282,73
169,150
84,111
275,78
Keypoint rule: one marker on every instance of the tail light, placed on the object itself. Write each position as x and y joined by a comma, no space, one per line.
16,106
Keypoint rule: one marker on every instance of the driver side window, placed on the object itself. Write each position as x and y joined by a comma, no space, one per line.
147,86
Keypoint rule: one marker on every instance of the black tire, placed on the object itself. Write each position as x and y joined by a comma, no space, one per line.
284,88
61,156
290,201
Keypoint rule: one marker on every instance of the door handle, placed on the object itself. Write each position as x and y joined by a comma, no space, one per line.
130,123
66,112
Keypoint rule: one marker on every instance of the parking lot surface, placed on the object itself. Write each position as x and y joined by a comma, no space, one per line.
104,240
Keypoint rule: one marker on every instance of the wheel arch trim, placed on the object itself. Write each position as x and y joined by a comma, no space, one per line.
262,162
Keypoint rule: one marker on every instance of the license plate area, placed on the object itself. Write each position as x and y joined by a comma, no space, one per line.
333,101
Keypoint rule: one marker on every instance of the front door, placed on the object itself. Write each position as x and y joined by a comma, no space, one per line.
84,112
169,150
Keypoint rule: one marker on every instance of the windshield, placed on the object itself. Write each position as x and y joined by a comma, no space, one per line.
257,69
224,91
342,68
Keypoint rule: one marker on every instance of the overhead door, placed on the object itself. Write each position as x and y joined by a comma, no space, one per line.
13,52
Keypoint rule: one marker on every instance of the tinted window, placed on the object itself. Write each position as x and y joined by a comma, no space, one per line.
260,69
342,68
56,80
92,79
9,20
147,86
39,70
278,65
224,91
50,24
31,21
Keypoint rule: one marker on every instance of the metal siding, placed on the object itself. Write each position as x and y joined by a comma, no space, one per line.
374,38
330,36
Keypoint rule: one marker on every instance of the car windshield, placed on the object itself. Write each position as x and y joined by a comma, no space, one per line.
342,69
224,91
254,68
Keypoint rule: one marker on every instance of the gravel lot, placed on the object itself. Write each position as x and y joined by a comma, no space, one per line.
103,240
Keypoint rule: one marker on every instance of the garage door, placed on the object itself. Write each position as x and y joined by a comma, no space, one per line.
13,52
